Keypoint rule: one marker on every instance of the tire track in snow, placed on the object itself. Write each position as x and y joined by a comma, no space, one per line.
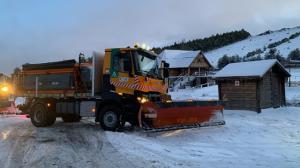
62,145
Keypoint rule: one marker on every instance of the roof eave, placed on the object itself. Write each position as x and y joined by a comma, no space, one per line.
237,77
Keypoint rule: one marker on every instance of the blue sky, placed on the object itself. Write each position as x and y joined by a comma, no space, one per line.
37,31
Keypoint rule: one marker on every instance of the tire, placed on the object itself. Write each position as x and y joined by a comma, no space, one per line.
39,115
110,118
51,118
69,118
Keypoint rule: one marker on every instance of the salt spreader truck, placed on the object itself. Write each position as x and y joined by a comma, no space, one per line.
124,85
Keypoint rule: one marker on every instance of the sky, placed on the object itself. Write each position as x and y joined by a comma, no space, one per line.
35,31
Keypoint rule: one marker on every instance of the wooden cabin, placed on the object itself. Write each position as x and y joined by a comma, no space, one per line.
252,85
186,62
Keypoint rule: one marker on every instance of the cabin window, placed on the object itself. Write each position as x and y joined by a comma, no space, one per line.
236,83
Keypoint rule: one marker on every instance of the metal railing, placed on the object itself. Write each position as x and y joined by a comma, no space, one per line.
205,85
183,81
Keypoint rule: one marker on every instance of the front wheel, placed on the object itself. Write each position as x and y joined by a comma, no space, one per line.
110,118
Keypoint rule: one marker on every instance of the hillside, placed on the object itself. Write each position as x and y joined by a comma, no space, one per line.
284,40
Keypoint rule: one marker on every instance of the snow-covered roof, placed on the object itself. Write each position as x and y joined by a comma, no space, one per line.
178,58
248,69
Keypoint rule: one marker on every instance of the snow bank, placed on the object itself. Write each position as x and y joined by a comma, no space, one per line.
206,93
248,140
269,139
292,95
295,74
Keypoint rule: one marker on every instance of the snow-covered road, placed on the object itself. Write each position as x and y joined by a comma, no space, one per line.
62,145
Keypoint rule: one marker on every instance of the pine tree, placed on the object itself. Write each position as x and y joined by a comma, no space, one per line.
209,43
223,61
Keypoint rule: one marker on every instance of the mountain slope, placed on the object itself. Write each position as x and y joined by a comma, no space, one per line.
208,43
262,41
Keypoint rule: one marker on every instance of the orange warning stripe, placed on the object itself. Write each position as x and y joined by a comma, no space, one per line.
138,85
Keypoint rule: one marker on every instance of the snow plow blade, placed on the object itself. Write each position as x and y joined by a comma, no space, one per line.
158,116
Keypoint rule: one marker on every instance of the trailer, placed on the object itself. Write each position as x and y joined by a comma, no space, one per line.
123,85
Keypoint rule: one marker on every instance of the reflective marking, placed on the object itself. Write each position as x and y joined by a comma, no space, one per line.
150,115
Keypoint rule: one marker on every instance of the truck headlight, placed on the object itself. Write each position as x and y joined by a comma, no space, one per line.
142,100
4,89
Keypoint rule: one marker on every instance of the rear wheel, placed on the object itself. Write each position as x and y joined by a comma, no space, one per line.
41,117
110,118
71,118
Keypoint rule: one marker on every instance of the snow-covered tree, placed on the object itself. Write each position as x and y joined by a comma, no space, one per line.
227,60
274,54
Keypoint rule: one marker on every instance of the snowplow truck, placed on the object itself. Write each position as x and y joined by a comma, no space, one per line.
123,85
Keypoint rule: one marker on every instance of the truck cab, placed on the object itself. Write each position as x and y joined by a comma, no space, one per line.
134,71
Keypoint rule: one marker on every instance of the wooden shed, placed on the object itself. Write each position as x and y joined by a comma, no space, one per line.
252,85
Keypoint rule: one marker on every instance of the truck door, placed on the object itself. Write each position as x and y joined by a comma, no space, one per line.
121,71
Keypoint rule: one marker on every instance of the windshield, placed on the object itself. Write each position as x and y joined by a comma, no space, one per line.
146,64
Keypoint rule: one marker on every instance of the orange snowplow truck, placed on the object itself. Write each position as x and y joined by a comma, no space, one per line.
124,85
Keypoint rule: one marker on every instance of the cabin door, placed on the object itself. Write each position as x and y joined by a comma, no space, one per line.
276,89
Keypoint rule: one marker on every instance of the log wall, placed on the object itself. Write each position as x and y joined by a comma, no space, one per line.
243,96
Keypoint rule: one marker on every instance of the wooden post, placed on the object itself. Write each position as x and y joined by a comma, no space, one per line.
283,92
258,105
289,79
219,89
272,89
